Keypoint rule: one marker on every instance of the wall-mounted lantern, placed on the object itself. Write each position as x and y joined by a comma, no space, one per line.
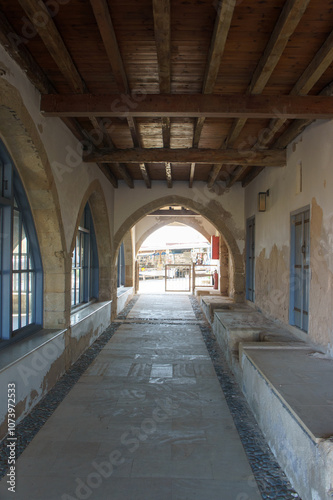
262,200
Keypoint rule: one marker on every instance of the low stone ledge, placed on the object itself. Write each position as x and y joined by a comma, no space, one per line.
291,395
124,295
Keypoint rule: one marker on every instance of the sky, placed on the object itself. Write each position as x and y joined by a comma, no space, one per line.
172,234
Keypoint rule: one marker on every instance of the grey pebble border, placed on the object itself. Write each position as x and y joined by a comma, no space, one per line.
34,421
271,480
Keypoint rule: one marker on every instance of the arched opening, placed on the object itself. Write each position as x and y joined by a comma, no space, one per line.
94,197
167,258
221,222
22,141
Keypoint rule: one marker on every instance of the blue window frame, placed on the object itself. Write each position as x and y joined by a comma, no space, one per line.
21,275
85,262
121,266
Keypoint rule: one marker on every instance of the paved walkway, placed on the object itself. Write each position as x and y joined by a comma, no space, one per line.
147,421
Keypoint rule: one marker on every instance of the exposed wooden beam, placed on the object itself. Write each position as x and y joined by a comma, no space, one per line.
185,105
145,175
225,10
269,157
168,174
192,172
53,42
198,126
290,16
125,175
106,29
16,48
236,176
105,168
162,31
251,176
213,174
319,64
166,132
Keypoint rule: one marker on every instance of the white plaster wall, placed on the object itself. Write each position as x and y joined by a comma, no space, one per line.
232,201
313,151
63,151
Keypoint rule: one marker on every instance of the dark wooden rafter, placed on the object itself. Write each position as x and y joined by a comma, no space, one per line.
145,175
122,169
168,174
54,43
19,52
58,50
314,71
108,35
289,18
225,10
162,32
186,105
192,172
269,157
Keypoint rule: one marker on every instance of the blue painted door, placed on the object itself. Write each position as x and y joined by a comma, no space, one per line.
300,270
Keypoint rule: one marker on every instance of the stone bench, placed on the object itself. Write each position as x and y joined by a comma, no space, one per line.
289,389
243,324
211,303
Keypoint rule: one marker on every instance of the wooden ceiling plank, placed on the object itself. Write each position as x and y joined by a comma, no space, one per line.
54,43
124,173
162,32
192,173
168,174
269,157
106,29
290,16
145,175
187,105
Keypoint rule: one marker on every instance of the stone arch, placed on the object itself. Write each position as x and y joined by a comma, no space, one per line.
187,221
213,212
21,138
95,196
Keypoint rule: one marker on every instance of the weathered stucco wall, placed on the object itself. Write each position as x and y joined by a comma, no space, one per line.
307,180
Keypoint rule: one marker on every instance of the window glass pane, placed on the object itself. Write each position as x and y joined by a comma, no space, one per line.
78,254
24,250
77,286
30,297
15,300
16,240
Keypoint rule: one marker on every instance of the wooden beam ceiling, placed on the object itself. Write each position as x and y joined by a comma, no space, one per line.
269,157
162,32
304,84
108,35
290,16
177,71
185,105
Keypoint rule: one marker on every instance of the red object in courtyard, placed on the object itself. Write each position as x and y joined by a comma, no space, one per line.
215,247
216,279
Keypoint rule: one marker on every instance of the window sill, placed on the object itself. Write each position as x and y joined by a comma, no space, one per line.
87,310
18,350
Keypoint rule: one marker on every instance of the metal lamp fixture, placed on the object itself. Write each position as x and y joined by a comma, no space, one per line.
262,200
